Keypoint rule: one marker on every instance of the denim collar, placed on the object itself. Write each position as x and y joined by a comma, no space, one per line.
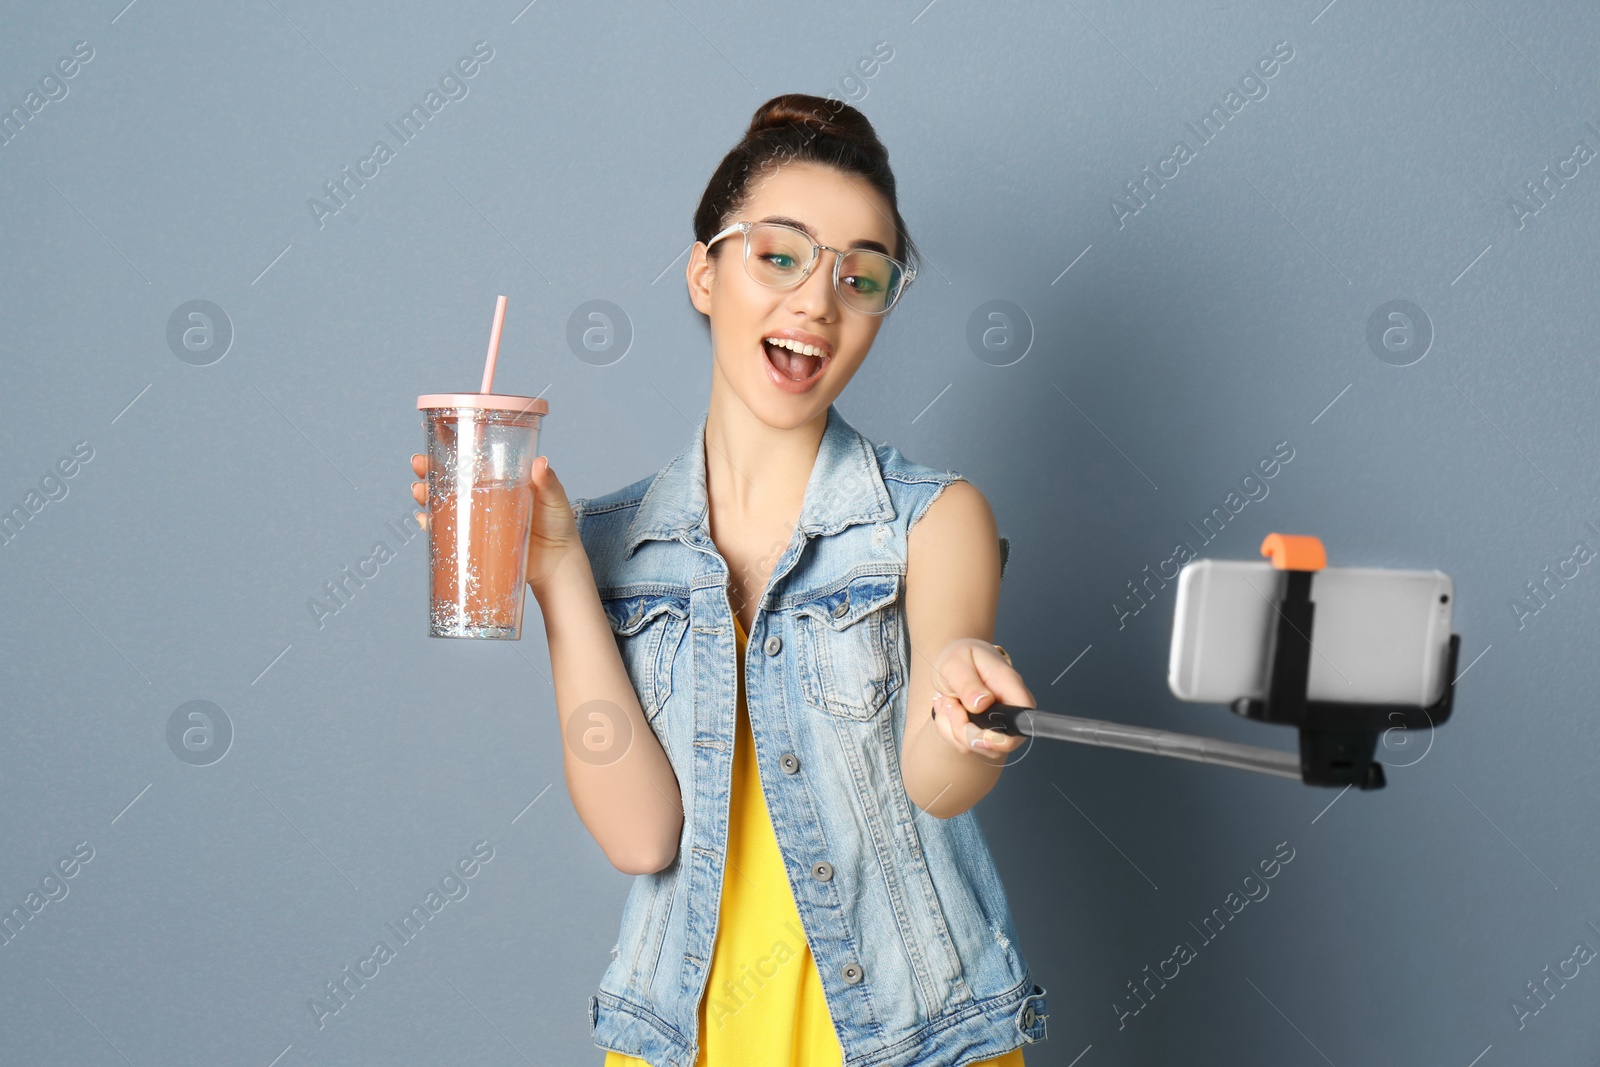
846,487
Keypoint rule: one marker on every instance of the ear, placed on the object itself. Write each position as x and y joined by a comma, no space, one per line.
699,273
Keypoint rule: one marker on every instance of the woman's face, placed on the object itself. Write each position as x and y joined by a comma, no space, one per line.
782,388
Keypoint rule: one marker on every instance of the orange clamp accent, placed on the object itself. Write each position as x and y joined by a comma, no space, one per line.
1294,552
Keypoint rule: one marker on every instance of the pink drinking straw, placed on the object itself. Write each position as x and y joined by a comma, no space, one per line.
488,367
494,343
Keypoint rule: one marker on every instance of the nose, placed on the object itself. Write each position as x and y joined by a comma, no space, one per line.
816,296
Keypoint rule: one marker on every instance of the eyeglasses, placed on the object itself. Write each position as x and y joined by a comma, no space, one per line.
781,257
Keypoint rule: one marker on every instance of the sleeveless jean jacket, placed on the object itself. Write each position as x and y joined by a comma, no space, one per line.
904,913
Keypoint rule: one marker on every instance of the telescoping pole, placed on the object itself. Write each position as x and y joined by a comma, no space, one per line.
1032,722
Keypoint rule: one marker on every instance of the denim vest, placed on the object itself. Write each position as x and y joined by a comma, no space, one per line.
904,913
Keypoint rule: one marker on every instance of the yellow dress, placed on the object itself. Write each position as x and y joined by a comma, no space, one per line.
763,1004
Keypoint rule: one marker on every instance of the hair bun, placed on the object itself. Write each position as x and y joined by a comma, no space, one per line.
831,117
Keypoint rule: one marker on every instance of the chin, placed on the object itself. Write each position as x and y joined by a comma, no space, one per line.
785,412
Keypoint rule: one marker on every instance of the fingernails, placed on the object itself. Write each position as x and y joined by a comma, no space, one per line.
973,734
980,700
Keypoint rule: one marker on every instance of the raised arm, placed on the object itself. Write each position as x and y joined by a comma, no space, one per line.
952,595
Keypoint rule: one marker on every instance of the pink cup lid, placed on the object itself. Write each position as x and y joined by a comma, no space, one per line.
490,401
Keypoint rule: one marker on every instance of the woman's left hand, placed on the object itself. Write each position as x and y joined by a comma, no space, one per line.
969,677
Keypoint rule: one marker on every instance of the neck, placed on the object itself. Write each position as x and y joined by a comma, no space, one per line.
751,467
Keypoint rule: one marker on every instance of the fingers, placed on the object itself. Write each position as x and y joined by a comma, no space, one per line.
995,747
547,487
419,490
972,677
955,726
950,720
958,675
977,674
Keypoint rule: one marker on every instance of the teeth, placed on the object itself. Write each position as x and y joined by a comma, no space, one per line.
794,346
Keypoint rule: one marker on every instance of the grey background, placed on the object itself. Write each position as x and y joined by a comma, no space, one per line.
1228,315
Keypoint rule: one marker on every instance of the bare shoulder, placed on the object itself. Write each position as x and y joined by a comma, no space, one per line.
961,513
957,529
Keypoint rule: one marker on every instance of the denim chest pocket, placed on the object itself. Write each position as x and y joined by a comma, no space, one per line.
850,647
649,628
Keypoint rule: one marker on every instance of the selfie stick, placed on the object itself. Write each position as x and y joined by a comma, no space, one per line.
1337,740
1006,719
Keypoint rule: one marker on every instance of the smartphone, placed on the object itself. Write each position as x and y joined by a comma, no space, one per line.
1378,636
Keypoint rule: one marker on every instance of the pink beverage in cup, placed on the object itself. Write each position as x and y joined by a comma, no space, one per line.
480,449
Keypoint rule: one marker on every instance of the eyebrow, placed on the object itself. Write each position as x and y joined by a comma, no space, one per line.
873,246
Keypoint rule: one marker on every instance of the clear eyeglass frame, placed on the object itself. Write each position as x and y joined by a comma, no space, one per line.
908,273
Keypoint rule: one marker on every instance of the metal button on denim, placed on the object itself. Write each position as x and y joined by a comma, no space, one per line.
638,613
821,871
789,763
841,607
851,973
1028,1016
773,644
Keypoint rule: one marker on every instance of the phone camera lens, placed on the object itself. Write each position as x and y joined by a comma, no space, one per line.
1444,598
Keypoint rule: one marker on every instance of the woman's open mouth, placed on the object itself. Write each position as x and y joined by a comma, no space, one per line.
792,366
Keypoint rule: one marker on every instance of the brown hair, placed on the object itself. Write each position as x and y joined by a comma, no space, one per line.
796,127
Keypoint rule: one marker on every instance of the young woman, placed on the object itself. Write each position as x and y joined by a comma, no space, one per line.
811,885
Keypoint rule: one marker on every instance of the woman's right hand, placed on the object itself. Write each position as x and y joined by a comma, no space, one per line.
553,533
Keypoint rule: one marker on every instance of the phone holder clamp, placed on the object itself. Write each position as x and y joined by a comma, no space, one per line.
1337,740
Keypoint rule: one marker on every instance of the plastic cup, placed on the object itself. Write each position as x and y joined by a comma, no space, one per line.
480,449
